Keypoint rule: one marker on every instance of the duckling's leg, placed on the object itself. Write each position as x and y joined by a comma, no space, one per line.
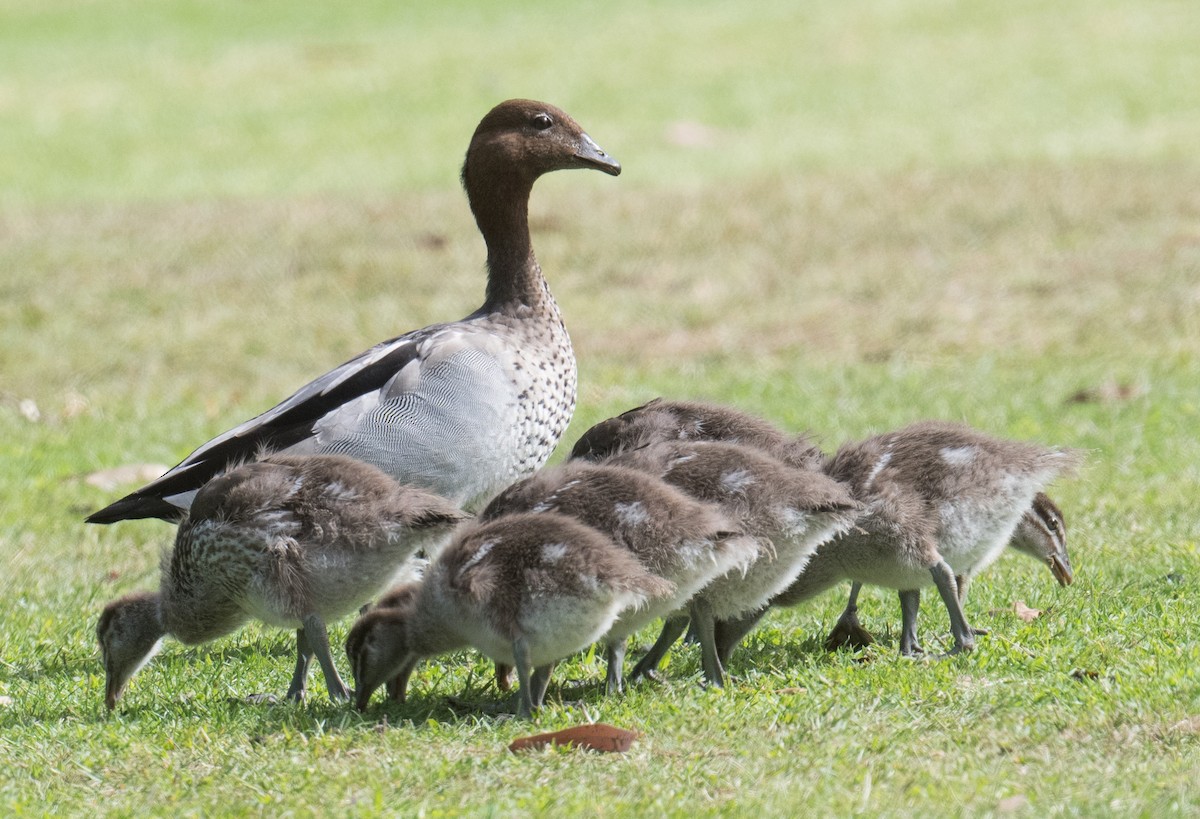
728,634
539,681
318,641
648,665
910,604
943,578
962,581
702,622
847,630
304,655
615,654
397,686
504,677
525,700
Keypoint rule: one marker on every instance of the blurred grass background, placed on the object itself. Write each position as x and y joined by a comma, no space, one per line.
843,216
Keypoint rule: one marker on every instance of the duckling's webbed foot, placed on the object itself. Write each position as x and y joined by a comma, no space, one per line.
848,631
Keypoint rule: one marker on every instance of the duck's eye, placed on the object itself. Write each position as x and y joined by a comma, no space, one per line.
542,121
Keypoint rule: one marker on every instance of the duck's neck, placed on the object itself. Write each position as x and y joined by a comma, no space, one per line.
515,281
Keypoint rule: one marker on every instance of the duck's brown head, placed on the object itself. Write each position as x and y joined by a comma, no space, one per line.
526,138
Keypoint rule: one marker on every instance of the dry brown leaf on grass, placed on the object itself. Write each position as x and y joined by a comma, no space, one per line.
118,476
1025,613
598,736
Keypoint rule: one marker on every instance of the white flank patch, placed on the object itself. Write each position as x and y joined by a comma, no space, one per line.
554,552
958,455
879,467
479,555
631,514
338,491
736,480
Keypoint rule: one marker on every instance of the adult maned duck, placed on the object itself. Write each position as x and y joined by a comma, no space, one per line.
462,408
291,541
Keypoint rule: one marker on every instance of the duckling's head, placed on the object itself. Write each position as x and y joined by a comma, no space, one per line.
130,632
527,138
379,651
1042,534
632,429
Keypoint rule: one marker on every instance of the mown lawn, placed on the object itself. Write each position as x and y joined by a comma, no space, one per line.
845,217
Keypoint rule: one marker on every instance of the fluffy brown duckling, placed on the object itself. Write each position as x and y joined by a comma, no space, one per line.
524,589
942,502
1040,534
293,541
789,511
663,420
675,537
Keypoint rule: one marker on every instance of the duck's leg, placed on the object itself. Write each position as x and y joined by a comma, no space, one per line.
525,700
728,634
304,655
961,581
702,622
847,630
615,654
943,578
318,641
648,665
910,604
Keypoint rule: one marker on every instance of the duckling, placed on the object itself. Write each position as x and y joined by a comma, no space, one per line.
788,511
673,535
292,541
662,420
942,502
463,408
525,589
1040,534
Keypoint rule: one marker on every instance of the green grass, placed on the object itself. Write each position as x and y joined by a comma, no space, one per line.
842,216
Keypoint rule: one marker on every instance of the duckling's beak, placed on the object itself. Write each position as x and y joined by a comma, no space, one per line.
592,155
1060,567
362,697
113,688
